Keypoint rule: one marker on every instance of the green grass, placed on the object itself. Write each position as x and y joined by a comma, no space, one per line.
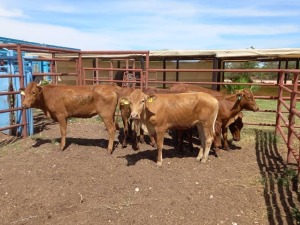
266,117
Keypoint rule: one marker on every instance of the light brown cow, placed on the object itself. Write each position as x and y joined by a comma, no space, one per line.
161,112
230,106
61,102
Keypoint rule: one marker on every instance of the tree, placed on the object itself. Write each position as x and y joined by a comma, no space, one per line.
240,77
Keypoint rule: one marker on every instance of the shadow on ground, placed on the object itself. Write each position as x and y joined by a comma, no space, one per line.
280,195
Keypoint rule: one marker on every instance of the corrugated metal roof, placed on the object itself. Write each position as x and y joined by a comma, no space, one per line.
16,41
205,54
282,52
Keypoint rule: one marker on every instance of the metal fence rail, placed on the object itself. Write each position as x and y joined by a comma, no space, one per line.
286,111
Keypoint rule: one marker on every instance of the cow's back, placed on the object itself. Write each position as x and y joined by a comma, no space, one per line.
78,101
195,88
180,110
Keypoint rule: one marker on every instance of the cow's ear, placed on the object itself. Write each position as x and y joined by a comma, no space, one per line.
39,88
151,98
124,101
22,91
241,115
240,96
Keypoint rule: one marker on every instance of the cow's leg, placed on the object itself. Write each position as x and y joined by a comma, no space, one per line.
217,138
208,139
180,141
142,138
151,136
153,142
109,124
135,132
225,138
63,131
190,139
159,142
126,131
202,140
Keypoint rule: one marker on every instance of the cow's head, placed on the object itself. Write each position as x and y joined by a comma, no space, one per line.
236,126
138,101
32,93
247,100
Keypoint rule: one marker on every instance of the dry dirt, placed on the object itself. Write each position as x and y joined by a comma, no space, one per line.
85,185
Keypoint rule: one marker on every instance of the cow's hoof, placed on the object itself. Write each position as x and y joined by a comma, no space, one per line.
217,155
159,164
135,148
154,145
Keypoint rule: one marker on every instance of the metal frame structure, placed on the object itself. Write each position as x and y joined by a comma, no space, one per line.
56,55
21,49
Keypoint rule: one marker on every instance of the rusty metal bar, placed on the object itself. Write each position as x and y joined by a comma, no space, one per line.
293,102
55,74
285,104
9,75
283,135
50,59
22,82
80,77
13,126
10,110
9,93
280,94
286,122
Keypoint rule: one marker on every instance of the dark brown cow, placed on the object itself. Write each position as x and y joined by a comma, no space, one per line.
131,128
236,127
230,106
161,112
61,102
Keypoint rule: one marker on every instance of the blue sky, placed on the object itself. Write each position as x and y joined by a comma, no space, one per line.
153,24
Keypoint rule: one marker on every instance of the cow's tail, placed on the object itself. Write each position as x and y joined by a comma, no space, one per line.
215,119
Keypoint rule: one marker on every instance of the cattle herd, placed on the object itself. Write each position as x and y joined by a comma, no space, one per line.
180,108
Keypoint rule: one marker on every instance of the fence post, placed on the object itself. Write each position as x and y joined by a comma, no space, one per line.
22,85
280,92
293,101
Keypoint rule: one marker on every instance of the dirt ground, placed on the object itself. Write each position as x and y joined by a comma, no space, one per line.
85,185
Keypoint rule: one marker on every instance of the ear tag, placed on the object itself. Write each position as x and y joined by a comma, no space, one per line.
124,102
150,99
22,93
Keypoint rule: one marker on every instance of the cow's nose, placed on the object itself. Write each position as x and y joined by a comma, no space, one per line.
24,106
236,139
134,116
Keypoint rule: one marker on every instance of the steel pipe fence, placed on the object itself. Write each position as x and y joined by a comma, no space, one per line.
286,112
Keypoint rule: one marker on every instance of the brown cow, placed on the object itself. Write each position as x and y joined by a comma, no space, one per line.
161,112
133,129
61,102
234,123
230,106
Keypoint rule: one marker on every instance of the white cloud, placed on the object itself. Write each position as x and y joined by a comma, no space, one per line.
128,25
5,12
